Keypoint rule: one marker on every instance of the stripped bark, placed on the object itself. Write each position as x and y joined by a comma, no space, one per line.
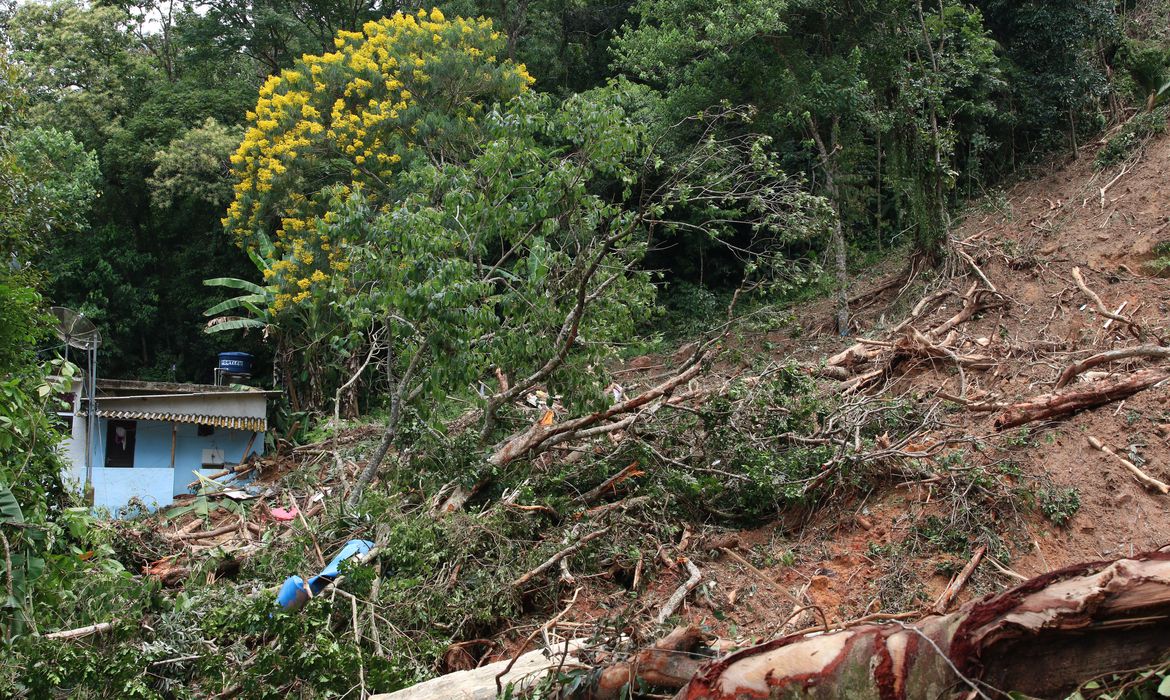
1042,638
1061,404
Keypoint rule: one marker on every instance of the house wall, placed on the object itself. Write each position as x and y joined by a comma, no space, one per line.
151,479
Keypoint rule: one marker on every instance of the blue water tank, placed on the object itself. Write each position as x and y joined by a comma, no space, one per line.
235,362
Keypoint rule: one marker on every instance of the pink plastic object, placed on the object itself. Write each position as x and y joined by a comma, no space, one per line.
284,514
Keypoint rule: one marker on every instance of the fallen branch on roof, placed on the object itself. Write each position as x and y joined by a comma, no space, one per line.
1043,639
1065,403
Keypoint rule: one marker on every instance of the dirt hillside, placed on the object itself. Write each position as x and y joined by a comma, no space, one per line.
1038,496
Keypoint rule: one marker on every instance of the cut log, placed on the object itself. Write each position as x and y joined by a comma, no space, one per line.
1061,404
1043,639
480,683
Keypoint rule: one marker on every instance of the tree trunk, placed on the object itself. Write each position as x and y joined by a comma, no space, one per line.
828,156
1059,405
840,266
1043,638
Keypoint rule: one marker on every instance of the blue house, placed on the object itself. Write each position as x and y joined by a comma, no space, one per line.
150,439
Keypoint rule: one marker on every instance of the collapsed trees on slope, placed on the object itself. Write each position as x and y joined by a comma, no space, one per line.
1043,638
589,290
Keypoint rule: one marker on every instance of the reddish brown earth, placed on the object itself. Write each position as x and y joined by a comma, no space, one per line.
842,566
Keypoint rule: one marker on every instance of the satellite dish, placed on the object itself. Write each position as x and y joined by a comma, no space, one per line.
75,329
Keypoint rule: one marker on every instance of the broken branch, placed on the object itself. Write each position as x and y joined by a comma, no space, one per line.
1145,479
681,593
99,628
554,559
1101,308
1058,405
956,584
1101,358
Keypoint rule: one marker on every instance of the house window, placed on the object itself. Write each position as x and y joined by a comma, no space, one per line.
205,430
120,436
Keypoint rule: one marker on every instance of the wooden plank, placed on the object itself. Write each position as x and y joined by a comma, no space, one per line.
248,449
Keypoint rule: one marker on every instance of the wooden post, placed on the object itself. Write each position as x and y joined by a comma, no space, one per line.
248,449
174,437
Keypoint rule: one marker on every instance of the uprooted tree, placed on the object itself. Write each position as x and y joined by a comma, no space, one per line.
413,204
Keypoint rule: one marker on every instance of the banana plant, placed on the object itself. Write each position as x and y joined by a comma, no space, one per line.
255,301
21,563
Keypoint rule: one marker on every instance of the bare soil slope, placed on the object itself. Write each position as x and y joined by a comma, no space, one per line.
1038,496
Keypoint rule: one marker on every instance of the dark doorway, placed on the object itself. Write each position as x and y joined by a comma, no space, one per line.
120,443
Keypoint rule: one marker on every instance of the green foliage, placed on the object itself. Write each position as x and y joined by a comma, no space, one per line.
125,92
1133,136
195,166
1060,505
887,84
1055,75
1147,65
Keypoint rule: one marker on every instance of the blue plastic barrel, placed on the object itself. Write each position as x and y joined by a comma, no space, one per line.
235,362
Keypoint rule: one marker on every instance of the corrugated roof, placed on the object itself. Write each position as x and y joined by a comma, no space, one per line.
258,425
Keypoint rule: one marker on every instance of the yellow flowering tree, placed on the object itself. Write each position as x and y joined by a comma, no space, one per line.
407,88
413,205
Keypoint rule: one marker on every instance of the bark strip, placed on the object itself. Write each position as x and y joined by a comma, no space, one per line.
1043,638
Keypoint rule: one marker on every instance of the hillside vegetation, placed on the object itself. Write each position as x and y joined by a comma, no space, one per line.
753,320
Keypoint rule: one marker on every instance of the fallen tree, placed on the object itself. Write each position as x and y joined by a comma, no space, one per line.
1061,404
1043,638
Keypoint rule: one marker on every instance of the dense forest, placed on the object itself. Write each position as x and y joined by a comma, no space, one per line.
421,217
894,113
